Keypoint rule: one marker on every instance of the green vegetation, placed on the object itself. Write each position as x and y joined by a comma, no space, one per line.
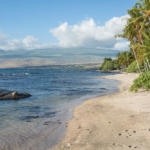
132,67
109,65
125,59
137,32
143,81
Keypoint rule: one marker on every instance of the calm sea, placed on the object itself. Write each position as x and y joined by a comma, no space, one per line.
38,122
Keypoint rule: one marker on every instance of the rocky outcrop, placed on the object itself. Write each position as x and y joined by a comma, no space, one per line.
5,95
103,88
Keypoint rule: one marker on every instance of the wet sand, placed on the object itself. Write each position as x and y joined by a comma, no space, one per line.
113,122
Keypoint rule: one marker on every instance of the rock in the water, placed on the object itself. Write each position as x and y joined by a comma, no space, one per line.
103,88
12,95
2,93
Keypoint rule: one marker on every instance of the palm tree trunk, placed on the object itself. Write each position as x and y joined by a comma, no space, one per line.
136,60
148,62
146,67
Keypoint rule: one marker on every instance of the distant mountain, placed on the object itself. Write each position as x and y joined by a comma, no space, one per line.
2,51
21,58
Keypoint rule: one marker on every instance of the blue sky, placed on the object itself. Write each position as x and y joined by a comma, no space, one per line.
30,24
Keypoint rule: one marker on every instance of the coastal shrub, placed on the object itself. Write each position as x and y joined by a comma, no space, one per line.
115,64
142,82
107,59
132,67
109,65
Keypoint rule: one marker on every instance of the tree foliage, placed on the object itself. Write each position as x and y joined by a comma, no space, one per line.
109,65
137,32
125,59
143,81
132,67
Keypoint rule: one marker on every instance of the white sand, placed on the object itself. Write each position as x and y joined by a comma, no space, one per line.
113,122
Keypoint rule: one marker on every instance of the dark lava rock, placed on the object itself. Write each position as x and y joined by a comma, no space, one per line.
5,95
103,88
28,118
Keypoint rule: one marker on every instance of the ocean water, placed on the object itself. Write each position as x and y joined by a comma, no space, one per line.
38,122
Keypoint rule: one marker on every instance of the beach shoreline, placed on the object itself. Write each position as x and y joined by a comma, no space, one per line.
111,122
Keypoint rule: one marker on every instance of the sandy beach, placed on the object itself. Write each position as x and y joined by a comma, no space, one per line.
113,122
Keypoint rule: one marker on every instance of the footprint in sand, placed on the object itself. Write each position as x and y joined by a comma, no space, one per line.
135,147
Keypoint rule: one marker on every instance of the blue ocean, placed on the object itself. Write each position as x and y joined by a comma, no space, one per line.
38,122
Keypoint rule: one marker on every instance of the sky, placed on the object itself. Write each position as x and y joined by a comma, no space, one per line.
39,24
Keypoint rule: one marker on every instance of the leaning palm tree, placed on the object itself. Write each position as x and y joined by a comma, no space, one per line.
137,30
144,33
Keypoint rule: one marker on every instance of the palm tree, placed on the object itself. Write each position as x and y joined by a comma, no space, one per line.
125,59
137,31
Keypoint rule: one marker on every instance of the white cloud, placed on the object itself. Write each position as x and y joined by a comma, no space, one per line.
88,34
122,46
27,43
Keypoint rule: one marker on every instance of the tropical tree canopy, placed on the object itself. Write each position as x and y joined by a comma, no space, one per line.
125,59
137,31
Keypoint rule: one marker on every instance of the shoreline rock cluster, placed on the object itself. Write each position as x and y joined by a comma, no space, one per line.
9,95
